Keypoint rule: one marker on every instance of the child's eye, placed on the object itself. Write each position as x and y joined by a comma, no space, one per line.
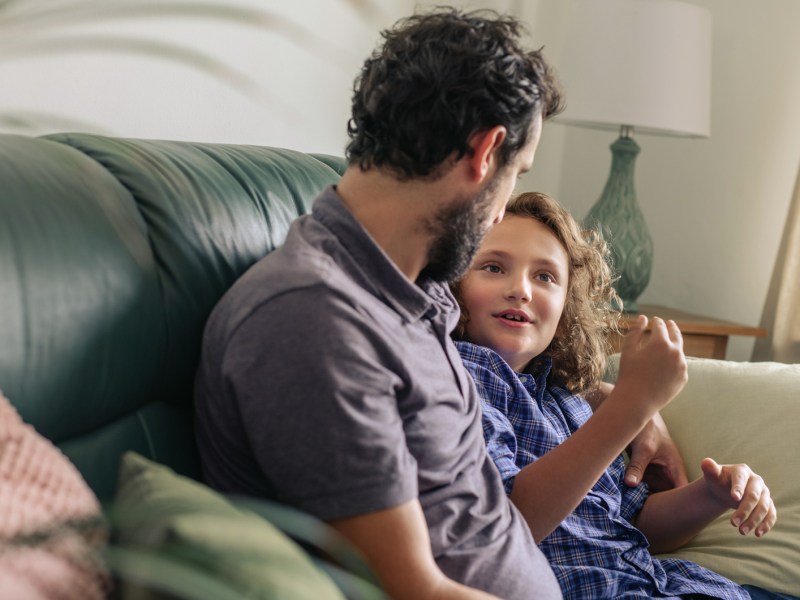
491,268
546,277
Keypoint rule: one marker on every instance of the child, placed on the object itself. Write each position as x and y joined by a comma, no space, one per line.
536,308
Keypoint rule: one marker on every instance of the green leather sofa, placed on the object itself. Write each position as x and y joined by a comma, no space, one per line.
112,254
114,251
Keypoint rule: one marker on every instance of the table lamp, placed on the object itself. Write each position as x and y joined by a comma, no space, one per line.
637,66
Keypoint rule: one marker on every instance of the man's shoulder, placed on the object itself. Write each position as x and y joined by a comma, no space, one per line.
293,267
310,259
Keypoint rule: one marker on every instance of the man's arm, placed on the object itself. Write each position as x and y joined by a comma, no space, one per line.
395,543
654,457
354,451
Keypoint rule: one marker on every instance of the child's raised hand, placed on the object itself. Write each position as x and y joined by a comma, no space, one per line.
655,370
736,486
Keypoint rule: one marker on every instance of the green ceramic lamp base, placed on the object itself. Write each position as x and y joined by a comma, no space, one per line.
618,216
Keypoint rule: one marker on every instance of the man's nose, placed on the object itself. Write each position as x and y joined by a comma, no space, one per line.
499,216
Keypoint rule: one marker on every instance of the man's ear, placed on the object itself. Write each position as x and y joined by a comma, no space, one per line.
485,145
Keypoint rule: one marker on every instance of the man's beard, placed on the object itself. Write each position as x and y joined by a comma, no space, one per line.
459,229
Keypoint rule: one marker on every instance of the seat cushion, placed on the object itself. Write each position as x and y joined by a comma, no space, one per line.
739,412
176,518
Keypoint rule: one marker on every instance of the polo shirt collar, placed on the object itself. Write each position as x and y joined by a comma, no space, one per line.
412,301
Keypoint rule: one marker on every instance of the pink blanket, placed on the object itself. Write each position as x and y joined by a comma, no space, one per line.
46,549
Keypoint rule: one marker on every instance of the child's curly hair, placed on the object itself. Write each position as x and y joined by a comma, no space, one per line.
581,344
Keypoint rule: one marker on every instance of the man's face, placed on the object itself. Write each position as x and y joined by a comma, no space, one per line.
508,175
462,224
460,227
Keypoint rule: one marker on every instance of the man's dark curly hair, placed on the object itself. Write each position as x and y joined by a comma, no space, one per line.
439,78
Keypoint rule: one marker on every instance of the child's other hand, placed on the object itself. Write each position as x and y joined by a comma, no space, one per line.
736,486
655,370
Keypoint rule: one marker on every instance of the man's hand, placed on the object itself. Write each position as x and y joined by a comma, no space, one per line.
655,459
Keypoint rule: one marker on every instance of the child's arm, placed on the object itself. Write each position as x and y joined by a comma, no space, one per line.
651,374
670,519
654,457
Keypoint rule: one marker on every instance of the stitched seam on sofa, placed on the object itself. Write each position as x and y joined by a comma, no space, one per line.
148,438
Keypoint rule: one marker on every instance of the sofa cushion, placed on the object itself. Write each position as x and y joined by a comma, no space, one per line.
736,412
178,518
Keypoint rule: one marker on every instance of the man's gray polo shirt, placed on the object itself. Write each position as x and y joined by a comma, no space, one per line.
329,382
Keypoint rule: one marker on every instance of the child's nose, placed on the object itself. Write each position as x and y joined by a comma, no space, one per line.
519,288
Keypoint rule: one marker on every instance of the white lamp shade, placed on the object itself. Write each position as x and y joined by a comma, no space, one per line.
641,63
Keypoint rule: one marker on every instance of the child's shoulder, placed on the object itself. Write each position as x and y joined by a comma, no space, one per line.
478,354
480,359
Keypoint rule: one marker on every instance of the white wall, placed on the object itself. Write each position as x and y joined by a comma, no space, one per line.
715,207
303,58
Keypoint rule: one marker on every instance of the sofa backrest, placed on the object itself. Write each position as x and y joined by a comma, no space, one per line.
112,254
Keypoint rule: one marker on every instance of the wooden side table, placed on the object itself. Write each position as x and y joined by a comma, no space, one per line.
702,336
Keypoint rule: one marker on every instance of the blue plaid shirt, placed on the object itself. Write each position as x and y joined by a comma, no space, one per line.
596,552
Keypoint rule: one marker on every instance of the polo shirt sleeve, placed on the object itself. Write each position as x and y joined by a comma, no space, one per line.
319,405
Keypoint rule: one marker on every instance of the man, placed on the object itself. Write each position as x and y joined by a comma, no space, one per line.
328,379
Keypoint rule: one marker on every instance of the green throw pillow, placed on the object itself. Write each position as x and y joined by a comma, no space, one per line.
738,412
186,522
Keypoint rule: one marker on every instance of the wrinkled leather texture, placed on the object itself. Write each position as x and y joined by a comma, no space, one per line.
112,254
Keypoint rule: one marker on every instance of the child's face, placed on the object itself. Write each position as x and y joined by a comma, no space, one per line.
515,290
